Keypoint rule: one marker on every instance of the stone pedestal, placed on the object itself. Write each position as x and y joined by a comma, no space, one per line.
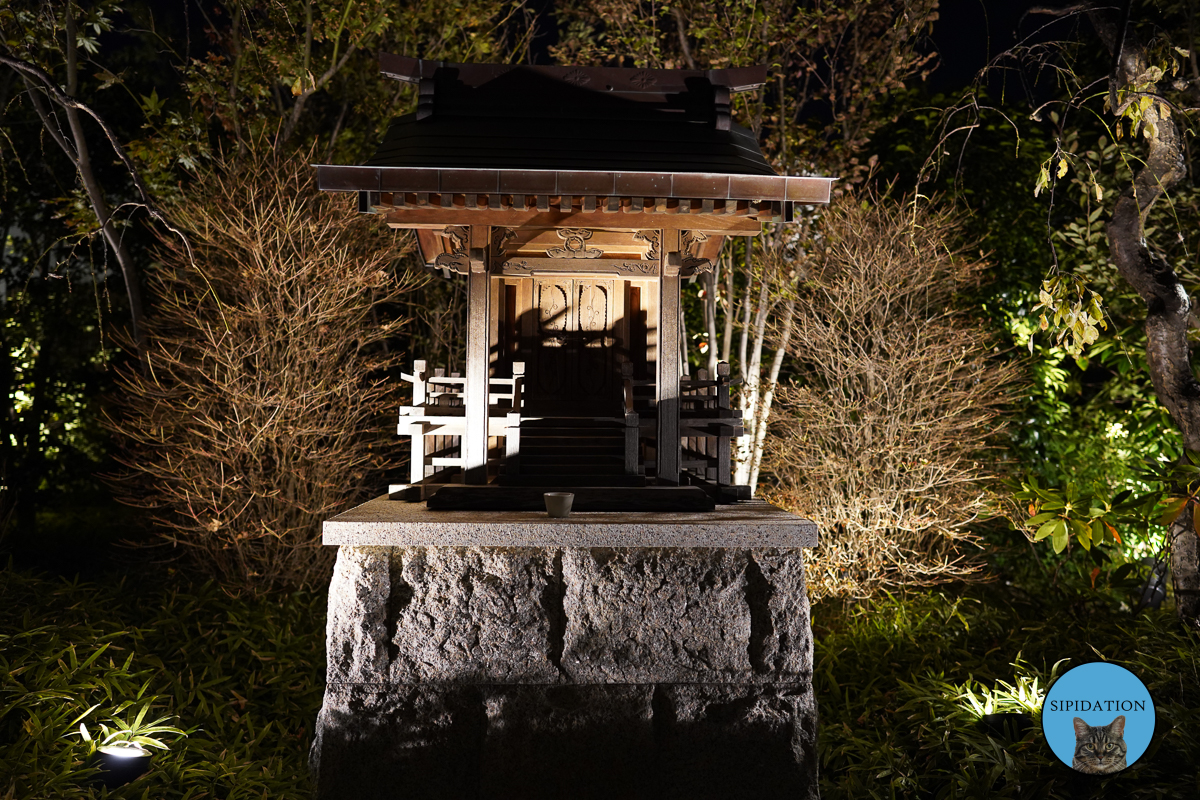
496,656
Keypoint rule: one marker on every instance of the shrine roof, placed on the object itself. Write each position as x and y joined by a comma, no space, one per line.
493,128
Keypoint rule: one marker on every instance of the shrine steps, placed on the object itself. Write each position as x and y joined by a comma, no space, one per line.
557,448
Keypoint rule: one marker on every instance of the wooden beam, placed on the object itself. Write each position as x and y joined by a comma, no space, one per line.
438,218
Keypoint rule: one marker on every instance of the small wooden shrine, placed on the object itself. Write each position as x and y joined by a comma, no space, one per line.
477,648
574,201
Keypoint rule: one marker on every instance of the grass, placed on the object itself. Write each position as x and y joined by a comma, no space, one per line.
243,679
901,684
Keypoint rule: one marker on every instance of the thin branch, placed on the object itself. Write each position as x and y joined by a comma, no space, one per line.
67,102
681,27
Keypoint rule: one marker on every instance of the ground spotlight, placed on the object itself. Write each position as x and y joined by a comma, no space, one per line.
121,763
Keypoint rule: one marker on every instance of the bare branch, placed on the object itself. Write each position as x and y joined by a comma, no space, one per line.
883,440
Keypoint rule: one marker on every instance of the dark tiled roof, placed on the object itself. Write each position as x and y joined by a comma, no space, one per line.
529,118
481,129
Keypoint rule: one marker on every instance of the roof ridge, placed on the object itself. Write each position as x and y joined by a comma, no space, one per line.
625,79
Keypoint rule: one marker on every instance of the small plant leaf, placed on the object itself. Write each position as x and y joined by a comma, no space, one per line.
1046,530
1059,539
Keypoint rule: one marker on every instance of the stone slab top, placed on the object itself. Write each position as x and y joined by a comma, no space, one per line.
747,524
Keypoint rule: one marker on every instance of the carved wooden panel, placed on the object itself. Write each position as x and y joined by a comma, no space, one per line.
553,309
599,266
580,244
594,322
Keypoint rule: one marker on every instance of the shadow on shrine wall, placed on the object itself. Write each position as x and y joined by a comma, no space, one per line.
573,364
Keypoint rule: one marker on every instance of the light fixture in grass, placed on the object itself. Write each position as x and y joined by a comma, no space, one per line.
121,750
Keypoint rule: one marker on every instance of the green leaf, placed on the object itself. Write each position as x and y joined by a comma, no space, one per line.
88,661
1122,572
1083,533
1060,537
1046,530
1040,519
1043,180
141,716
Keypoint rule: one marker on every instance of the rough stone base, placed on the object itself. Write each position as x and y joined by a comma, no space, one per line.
567,673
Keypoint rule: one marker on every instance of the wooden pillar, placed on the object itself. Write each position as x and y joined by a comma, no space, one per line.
416,463
667,363
475,435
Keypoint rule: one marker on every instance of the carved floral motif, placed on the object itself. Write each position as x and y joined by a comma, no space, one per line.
639,268
499,237
653,238
574,244
577,77
457,259
689,244
643,80
458,235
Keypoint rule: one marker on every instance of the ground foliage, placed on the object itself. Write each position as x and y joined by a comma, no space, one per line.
901,682
242,678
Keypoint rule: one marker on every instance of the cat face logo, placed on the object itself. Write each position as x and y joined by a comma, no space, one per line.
1100,749
1081,721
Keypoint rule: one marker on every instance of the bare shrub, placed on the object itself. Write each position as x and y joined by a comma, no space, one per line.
883,437
261,409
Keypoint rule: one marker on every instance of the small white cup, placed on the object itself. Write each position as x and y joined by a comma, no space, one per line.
558,504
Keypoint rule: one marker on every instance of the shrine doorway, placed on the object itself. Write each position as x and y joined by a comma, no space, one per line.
574,371
573,332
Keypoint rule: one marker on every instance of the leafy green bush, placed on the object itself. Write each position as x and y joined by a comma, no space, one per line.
242,679
902,685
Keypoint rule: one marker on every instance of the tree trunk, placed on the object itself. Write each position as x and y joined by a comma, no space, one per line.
712,281
38,83
752,388
730,309
764,411
1168,307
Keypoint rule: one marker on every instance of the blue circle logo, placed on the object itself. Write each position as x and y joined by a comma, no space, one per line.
1098,718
